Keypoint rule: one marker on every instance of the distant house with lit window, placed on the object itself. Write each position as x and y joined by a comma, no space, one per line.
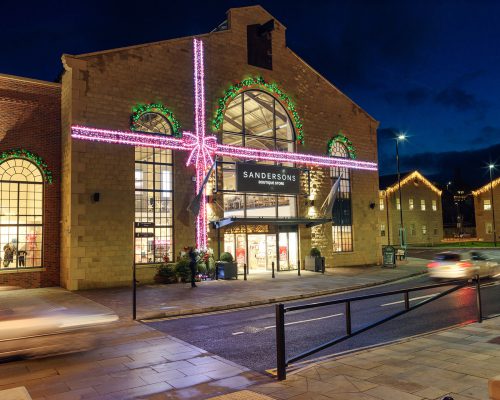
487,203
421,209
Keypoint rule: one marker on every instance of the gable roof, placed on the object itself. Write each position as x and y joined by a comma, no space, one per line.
486,188
389,183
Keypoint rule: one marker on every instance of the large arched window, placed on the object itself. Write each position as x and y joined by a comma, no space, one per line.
342,211
256,119
21,214
154,192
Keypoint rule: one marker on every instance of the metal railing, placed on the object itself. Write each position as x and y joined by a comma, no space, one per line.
283,362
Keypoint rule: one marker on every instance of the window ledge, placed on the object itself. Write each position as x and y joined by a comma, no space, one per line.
21,270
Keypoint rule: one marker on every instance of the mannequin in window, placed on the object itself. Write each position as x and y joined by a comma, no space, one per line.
21,256
9,250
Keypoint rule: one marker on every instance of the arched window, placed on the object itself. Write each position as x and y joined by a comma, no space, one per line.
342,218
21,214
256,119
154,191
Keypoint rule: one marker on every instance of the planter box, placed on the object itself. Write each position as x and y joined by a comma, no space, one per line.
314,264
227,270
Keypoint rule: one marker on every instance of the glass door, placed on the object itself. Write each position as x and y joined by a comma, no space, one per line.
271,251
257,252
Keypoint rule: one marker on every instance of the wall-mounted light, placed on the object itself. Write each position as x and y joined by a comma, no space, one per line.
372,205
310,202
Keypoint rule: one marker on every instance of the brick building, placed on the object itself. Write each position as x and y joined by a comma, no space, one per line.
30,176
487,202
259,95
422,211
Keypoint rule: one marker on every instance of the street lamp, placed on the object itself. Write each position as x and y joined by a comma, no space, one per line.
492,167
399,137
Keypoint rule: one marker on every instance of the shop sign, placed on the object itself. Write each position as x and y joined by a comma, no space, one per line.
261,178
144,234
144,224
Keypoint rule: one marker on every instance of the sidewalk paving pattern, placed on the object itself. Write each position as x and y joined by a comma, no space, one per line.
456,363
157,301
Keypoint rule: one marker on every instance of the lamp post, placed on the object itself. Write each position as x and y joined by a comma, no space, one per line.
401,136
492,166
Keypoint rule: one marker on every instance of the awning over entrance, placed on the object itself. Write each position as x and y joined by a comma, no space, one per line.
232,221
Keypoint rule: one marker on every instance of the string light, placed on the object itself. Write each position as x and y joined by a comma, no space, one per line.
26,154
345,141
141,109
486,188
202,148
412,176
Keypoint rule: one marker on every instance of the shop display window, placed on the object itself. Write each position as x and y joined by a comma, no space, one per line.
21,214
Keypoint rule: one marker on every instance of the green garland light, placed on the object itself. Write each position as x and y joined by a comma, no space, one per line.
28,155
253,82
345,141
141,109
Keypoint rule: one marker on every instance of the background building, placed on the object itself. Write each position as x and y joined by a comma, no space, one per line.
484,208
422,212
30,179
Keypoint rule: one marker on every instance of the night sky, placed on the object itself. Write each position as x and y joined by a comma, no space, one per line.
428,68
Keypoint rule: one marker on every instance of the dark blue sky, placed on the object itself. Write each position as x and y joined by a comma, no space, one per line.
429,68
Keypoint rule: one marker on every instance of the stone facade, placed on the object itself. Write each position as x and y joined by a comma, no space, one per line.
422,226
100,89
483,208
30,120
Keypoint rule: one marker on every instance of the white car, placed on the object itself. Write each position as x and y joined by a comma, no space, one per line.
33,329
462,265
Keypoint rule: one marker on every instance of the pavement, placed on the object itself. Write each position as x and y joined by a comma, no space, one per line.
135,361
159,301
456,362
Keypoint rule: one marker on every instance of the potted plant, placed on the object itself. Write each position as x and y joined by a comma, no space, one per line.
166,273
182,269
314,261
227,268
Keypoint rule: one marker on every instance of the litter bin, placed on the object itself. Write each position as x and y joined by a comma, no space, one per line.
388,256
227,270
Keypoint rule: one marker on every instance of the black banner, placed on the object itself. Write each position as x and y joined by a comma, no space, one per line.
261,178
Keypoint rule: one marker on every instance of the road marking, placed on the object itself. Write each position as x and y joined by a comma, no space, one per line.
306,320
238,333
402,301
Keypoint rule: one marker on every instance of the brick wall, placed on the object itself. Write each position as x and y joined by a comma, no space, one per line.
30,119
100,90
483,216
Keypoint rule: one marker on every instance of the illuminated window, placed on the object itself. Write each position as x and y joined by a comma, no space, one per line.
342,211
487,204
422,205
381,203
21,214
154,192
424,229
434,205
255,119
382,230
398,204
489,228
410,204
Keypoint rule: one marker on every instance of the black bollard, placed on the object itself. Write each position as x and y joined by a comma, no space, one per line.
298,268
272,266
244,272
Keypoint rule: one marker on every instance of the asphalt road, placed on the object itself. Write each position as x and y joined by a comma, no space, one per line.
429,253
247,336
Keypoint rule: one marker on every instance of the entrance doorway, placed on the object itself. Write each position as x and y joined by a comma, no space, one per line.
260,250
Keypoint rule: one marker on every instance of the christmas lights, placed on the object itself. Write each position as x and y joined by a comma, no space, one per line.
257,82
409,178
202,148
486,188
28,155
158,108
345,141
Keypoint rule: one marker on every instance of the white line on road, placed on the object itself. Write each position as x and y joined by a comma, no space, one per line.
306,320
238,333
402,301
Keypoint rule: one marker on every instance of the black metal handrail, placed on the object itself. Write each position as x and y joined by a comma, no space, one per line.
283,362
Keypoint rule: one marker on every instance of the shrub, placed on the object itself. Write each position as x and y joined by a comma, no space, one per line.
182,269
315,252
226,257
167,272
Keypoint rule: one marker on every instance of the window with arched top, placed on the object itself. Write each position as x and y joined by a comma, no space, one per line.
258,120
21,214
342,210
154,191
